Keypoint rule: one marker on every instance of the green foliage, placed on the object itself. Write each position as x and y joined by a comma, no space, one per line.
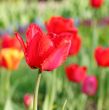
54,87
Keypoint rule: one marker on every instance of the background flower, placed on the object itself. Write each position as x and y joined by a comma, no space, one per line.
90,85
76,73
96,3
102,56
10,53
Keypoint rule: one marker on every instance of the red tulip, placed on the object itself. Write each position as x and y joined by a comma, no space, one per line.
75,73
96,3
41,51
28,99
75,40
75,45
89,86
10,42
10,53
102,56
59,24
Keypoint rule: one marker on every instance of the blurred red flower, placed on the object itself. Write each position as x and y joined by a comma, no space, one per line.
59,25
41,51
10,52
90,85
102,56
96,3
76,73
10,58
28,99
9,42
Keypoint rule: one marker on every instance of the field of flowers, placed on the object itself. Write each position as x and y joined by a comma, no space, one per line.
54,55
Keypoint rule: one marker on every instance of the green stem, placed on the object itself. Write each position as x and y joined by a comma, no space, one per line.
50,91
101,91
53,90
107,92
63,108
8,76
7,89
35,101
95,38
5,85
94,42
1,86
95,34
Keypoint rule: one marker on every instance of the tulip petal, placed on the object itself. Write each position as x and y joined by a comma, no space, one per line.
90,85
102,56
11,58
21,41
76,73
10,42
36,53
75,46
58,24
32,30
57,57
58,39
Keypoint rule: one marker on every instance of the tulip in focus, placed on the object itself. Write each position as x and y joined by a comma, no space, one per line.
96,3
42,51
89,85
76,73
102,56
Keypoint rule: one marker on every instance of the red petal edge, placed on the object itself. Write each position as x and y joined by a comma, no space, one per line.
21,41
57,57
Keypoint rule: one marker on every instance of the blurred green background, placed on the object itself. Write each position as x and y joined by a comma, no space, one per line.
54,87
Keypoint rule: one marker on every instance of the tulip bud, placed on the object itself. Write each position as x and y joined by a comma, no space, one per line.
96,3
89,85
75,73
102,56
28,99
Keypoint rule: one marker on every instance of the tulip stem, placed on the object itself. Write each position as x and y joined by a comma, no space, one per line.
8,82
1,85
101,94
35,101
63,108
107,91
95,37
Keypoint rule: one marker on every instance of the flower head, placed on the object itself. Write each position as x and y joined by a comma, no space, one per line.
102,56
10,53
41,50
76,73
89,85
58,24
65,27
9,42
96,3
10,58
28,99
